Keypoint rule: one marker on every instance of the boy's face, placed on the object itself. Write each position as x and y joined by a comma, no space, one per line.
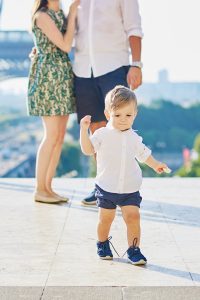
122,118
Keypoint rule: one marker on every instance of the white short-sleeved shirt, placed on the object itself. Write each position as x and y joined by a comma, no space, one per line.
117,168
101,39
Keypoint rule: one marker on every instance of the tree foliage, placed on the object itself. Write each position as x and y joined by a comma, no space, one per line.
70,159
194,169
166,126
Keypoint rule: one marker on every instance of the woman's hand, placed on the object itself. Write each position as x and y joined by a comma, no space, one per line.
73,7
33,53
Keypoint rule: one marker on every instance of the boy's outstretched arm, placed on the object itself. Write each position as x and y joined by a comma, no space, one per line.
86,145
156,165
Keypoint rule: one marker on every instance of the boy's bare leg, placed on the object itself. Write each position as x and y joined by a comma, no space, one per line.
106,217
131,216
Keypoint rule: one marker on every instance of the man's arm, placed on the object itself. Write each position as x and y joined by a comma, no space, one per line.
133,29
86,145
134,76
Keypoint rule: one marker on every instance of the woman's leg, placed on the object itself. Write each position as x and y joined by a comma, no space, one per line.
45,151
55,157
106,217
131,216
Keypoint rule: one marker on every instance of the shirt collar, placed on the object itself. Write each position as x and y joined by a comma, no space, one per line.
110,126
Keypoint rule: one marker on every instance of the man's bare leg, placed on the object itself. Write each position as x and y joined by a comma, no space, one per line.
96,125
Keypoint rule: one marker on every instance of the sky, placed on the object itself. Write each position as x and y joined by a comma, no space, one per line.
171,35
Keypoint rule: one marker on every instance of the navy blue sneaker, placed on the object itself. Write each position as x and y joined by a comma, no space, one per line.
135,256
90,199
103,250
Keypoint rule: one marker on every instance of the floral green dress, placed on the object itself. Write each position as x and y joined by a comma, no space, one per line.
51,84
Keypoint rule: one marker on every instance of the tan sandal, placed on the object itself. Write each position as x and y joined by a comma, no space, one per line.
62,198
45,199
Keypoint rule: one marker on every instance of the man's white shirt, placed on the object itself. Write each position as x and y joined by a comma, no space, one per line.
117,168
101,39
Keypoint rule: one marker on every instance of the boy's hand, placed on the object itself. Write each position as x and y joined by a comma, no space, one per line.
157,166
161,167
85,122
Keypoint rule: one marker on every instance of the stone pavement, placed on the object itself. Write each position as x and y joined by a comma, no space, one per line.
49,251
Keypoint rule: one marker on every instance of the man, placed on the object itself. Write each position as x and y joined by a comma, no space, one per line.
106,30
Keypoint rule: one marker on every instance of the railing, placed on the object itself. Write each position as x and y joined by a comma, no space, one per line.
15,36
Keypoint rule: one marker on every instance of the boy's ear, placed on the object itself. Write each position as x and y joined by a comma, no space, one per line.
106,113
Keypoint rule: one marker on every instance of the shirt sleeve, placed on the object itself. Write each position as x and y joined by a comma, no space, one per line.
96,139
131,17
142,151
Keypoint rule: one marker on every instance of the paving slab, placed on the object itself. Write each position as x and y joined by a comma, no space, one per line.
29,234
160,293
20,293
52,248
87,293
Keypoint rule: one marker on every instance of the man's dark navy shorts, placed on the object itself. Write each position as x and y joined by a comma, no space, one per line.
111,200
90,92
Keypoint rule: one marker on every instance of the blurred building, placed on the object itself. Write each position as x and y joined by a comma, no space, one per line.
183,93
15,47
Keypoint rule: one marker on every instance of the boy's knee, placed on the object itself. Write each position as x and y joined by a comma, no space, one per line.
106,219
133,216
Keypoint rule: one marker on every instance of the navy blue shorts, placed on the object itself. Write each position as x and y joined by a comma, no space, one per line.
111,200
90,93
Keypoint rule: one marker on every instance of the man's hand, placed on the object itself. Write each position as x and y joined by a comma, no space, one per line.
85,122
134,77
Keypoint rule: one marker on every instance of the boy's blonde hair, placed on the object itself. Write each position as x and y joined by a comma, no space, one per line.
119,96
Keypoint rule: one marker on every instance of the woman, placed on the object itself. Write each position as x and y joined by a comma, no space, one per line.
50,89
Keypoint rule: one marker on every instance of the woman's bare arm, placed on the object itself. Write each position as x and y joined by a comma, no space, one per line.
49,28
